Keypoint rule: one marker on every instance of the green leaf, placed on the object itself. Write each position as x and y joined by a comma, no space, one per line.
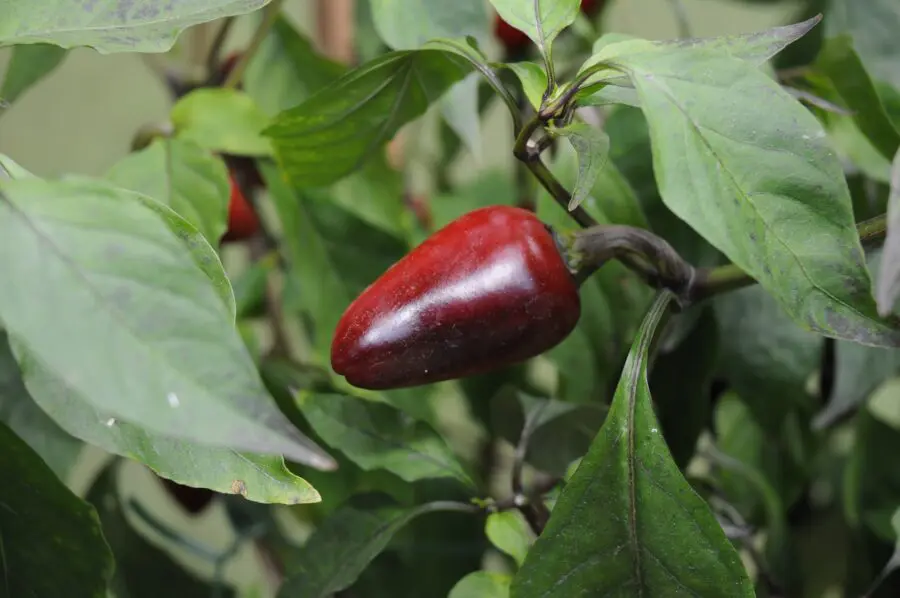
592,146
872,480
533,78
840,62
131,323
555,432
185,177
19,411
256,477
327,271
764,355
336,130
755,48
142,570
286,70
887,287
28,65
509,532
347,541
112,25
859,370
491,187
459,107
681,382
408,24
765,450
482,584
47,529
540,20
742,162
374,195
649,532
873,25
222,120
779,546
378,436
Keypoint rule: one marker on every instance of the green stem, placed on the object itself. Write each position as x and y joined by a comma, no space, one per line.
270,14
558,192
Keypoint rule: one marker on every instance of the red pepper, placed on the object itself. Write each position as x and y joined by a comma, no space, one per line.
490,289
242,220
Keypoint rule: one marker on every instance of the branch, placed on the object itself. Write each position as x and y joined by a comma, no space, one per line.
659,265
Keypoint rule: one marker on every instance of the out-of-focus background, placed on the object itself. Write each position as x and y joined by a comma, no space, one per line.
82,117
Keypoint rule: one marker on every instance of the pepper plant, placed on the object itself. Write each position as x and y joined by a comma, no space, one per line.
650,351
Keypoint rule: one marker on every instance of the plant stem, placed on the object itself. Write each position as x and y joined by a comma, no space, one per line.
270,14
651,256
558,192
212,59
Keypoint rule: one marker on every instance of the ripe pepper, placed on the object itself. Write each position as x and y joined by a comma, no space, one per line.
242,220
489,289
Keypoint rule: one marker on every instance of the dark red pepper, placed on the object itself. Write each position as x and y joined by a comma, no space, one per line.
490,289
242,220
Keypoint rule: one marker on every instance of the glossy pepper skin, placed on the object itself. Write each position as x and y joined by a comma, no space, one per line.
490,289
242,220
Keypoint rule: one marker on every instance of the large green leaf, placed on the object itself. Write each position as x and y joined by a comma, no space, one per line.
222,120
260,478
649,533
347,541
840,62
873,24
185,177
18,410
541,20
755,48
408,24
764,355
52,544
378,436
28,65
336,130
286,70
745,165
142,570
130,322
110,26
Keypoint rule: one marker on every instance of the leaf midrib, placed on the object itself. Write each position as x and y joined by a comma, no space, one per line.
743,194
